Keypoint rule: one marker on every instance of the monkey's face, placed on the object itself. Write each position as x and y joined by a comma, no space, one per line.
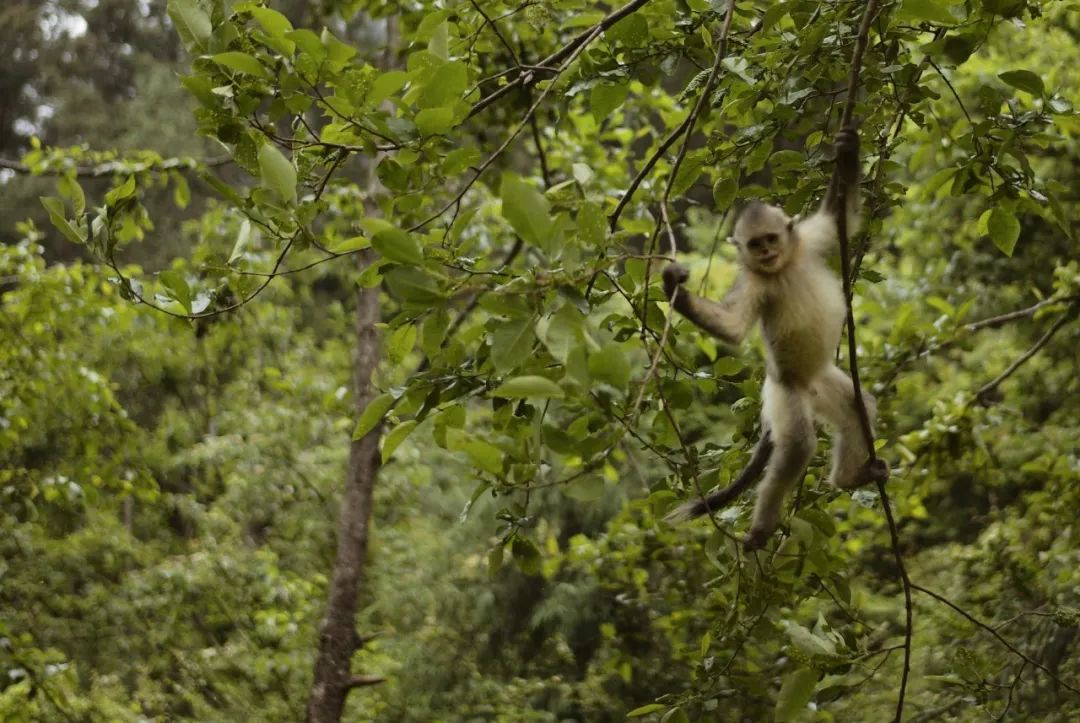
764,237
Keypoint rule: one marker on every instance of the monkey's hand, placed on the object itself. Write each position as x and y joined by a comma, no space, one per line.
847,140
847,154
674,276
874,470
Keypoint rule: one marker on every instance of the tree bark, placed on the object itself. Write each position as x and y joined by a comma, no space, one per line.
338,638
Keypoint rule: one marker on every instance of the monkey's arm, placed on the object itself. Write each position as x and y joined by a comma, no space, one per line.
729,320
819,231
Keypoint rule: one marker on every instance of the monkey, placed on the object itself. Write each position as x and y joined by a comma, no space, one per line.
785,284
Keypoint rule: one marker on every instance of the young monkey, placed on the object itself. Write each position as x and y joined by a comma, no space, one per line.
785,283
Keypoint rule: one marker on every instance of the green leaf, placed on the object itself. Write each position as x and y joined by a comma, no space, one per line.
560,331
398,245
925,11
272,21
1024,80
592,225
242,238
511,343
121,193
445,86
689,171
242,63
495,560
191,23
373,414
587,489
432,121
58,216
353,243
395,437
645,710
795,693
411,284
400,343
605,98
526,556
527,210
484,455
459,159
277,173
529,387
723,193
178,287
1004,229
386,85
610,365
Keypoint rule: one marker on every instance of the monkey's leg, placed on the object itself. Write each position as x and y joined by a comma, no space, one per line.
786,412
833,398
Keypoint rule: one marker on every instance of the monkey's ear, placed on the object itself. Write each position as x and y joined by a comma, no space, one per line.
794,220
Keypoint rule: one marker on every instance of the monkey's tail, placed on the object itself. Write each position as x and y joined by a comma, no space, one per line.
718,500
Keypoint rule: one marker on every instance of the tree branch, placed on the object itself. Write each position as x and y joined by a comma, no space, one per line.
861,41
109,168
1043,341
363,681
1009,646
685,127
597,29
568,50
996,321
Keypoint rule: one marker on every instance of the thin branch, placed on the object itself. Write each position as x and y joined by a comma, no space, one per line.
126,283
1008,646
685,127
703,98
570,50
363,681
1012,689
861,42
634,410
995,321
495,29
510,139
544,171
909,625
109,168
1043,341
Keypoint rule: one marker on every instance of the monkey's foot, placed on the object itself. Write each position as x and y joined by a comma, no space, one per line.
756,538
874,471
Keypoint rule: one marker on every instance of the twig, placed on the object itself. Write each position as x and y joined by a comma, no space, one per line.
495,29
1012,689
571,50
861,41
1009,646
363,681
995,321
109,168
1043,340
514,134
126,283
685,127
667,324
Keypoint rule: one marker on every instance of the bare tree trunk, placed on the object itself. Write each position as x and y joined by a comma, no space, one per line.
338,638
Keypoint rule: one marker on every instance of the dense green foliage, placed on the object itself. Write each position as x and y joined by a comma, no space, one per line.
170,475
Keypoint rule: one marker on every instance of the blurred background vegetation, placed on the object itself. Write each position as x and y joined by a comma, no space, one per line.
170,488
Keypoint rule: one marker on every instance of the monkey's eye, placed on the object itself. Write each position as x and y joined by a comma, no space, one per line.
766,239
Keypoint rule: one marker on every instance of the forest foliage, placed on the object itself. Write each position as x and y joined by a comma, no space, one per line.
509,177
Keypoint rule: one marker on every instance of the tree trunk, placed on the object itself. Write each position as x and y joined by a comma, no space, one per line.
338,638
